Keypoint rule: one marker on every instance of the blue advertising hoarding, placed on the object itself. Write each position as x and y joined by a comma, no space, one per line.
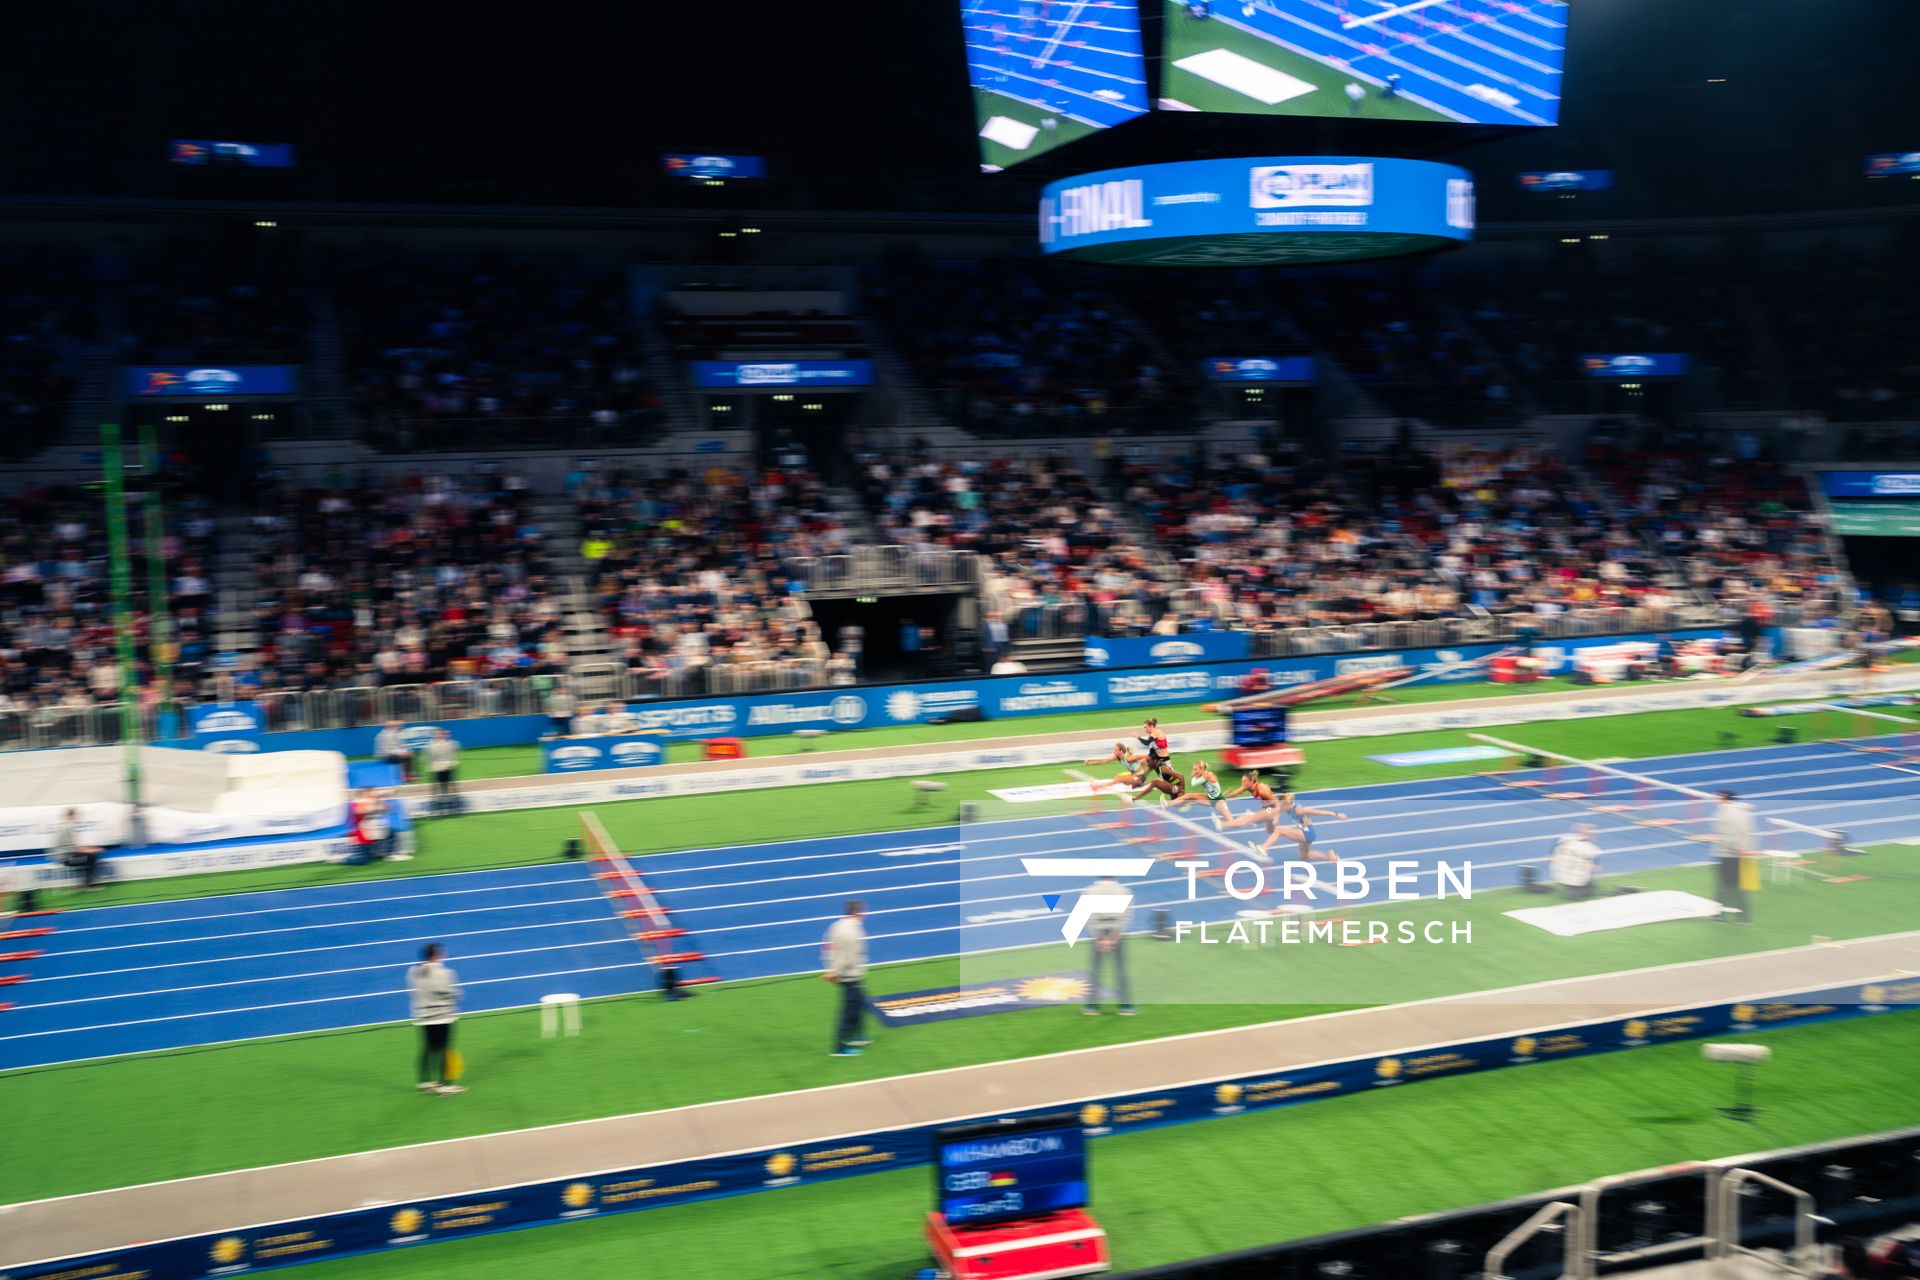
1046,74
706,166
209,382
615,751
1568,180
1163,651
240,155
1258,210
813,375
1664,364
1156,682
1261,369
384,1228
1892,164
1871,484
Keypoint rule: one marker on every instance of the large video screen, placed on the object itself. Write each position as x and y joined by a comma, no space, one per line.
1468,61
1046,72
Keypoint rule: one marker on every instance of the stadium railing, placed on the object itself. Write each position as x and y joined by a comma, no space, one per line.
475,698
889,567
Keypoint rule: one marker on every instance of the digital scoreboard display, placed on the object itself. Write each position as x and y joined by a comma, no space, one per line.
1047,72
995,1172
1260,727
1469,61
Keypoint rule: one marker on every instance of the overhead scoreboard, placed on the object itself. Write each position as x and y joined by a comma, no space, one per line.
1258,211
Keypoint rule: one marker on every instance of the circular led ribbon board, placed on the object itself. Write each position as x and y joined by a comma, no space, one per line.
1261,211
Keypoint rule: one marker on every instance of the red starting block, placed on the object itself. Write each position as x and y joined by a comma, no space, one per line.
1069,1243
12,979
40,932
21,955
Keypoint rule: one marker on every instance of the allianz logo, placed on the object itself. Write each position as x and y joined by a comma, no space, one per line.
228,722
232,746
1377,662
1177,651
640,752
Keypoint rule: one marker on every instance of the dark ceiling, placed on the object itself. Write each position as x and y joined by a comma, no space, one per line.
572,102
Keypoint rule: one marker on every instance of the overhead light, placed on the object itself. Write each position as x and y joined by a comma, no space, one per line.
1602,236
263,222
1569,239
216,408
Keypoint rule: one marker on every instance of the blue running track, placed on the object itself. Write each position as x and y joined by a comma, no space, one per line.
135,978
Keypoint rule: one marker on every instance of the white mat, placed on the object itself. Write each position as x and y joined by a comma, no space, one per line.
1622,911
1244,76
1009,133
1045,791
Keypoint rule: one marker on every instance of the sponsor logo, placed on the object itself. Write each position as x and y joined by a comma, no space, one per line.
1373,662
1631,364
1460,203
1189,197
903,705
1095,656
415,737
232,746
1293,185
228,722
704,716
767,375
1904,484
848,709
211,382
1173,682
640,789
574,757
1177,651
635,753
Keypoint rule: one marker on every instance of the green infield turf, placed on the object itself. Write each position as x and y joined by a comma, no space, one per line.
1188,36
1254,1179
354,1089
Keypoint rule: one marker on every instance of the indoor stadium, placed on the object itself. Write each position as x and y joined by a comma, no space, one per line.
979,640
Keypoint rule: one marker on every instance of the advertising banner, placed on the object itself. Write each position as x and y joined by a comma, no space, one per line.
619,751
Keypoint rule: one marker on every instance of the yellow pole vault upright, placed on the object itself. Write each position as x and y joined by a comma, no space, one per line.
117,559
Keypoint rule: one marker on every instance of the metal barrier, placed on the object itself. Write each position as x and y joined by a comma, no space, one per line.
1547,1215
891,566
1724,1227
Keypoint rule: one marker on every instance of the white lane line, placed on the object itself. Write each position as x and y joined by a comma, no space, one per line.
436,934
301,1004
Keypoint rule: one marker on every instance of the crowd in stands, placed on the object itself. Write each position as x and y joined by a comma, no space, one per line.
1740,526
1058,554
699,569
1402,345
429,578
451,350
43,317
56,623
1023,348
211,302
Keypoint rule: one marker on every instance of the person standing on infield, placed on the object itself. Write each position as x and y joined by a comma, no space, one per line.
1732,845
435,994
1108,930
846,948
